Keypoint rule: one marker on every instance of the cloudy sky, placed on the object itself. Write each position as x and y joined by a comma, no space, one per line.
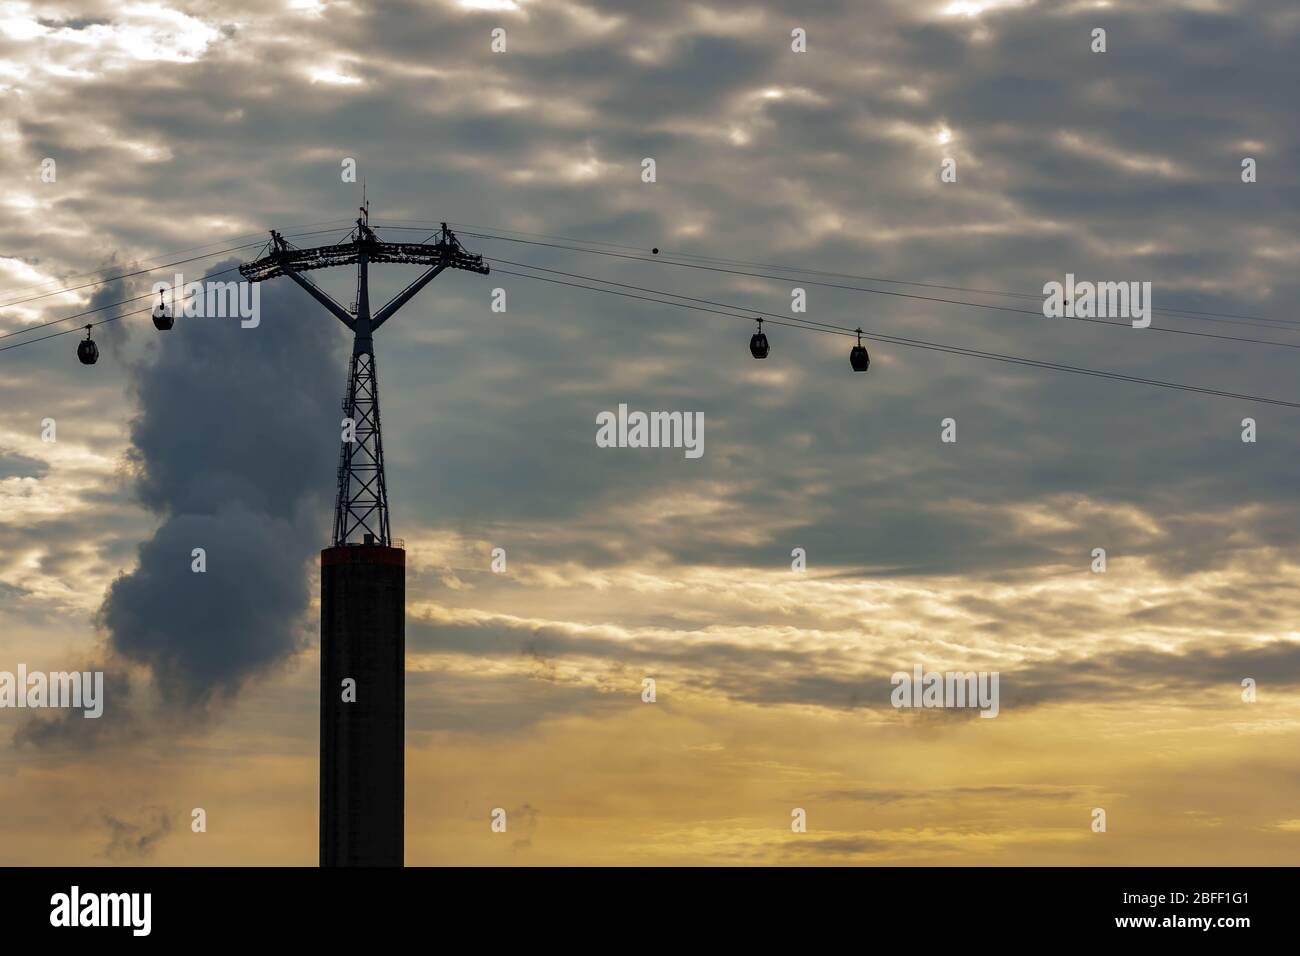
181,125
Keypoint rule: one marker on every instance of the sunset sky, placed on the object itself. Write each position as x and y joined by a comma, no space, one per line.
204,124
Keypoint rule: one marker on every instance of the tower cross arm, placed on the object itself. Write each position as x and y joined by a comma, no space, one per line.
324,298
447,253
286,261
405,296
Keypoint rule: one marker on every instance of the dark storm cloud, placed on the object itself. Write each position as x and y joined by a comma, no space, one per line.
232,446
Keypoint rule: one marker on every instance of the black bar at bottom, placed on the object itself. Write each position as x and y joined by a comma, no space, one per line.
957,909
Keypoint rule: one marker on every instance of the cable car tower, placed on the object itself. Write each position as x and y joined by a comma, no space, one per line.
361,507
363,582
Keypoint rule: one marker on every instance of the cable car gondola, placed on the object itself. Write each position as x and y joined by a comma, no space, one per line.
858,356
162,316
758,346
87,350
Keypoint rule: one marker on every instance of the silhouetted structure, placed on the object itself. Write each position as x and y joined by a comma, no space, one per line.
363,583
362,742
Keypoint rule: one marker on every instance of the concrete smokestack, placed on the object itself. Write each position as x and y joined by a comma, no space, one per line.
362,724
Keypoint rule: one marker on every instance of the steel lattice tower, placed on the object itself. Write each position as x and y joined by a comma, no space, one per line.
361,507
363,582
362,500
